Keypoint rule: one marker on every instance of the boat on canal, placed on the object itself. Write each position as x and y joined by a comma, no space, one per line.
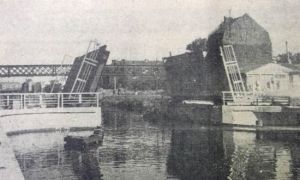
84,142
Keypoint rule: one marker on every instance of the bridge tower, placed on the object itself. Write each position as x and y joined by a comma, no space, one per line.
87,69
88,62
235,81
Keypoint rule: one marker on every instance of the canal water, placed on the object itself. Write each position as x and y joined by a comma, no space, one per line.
136,148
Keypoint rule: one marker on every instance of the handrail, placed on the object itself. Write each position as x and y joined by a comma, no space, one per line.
49,100
254,98
47,93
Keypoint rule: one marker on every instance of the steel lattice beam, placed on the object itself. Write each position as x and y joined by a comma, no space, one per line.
64,70
34,70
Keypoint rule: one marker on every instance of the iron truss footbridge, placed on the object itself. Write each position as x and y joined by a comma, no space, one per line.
35,70
64,70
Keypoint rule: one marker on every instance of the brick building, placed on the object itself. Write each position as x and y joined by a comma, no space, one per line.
133,75
252,46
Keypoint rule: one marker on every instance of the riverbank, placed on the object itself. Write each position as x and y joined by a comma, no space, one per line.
137,102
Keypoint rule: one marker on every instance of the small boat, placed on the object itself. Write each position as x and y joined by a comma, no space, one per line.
84,142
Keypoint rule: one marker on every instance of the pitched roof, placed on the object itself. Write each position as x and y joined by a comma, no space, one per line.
272,68
247,66
295,67
228,21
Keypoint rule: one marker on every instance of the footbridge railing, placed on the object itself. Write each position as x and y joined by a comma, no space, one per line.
48,100
254,99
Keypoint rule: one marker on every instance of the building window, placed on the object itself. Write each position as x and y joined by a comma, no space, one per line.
250,88
278,84
268,85
280,76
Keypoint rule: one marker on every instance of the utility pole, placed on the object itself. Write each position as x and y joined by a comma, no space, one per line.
57,80
115,84
287,53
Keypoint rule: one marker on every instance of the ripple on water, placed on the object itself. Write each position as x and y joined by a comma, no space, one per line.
137,149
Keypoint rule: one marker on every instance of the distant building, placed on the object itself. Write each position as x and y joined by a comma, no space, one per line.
251,43
273,78
133,75
10,87
184,74
145,62
252,47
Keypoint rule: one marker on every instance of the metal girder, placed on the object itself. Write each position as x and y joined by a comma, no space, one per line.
35,70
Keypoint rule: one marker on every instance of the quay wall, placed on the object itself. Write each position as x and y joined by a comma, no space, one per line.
260,116
194,113
9,167
137,103
49,119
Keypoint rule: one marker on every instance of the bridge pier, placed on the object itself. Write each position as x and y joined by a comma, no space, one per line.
261,115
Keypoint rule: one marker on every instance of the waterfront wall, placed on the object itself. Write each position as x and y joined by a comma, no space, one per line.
138,103
49,119
279,118
10,169
260,115
194,113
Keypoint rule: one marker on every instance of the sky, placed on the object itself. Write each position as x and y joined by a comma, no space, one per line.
44,31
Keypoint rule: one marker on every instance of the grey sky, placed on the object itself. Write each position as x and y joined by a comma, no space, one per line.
43,31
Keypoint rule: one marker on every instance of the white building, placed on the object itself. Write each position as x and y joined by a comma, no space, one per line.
274,79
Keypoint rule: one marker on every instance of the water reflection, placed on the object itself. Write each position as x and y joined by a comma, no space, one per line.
85,165
134,148
197,154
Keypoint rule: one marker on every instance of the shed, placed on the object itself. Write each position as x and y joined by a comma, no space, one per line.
273,78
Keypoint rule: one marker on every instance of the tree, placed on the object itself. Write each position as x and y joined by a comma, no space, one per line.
197,45
282,58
